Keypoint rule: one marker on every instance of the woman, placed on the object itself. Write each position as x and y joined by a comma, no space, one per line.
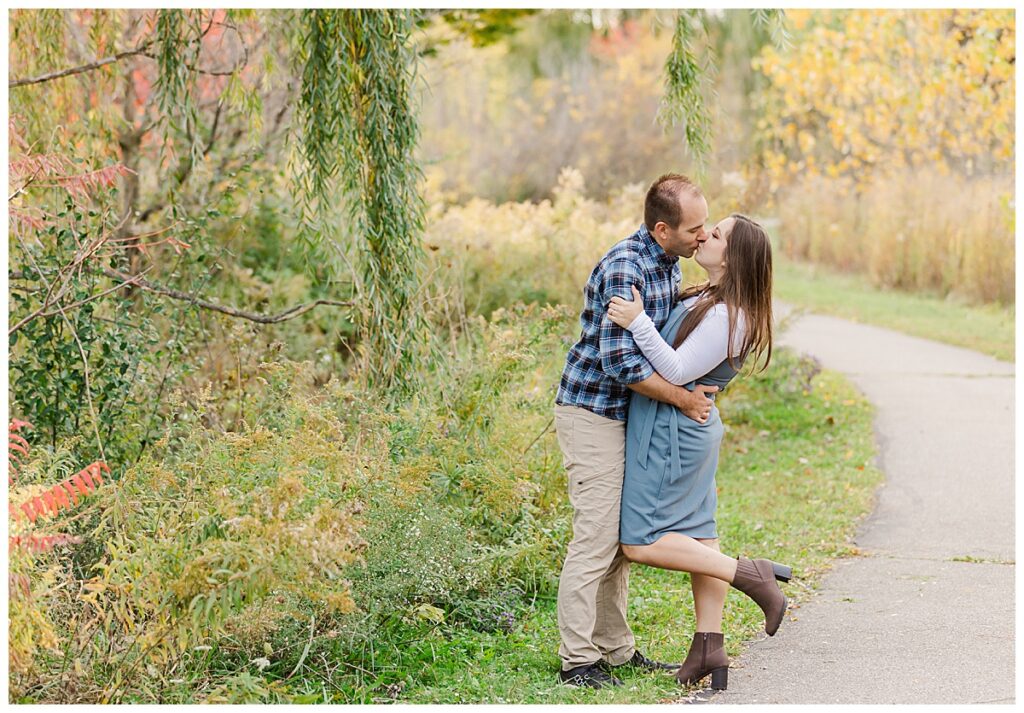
668,492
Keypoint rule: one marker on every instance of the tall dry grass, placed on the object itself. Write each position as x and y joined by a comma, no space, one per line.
494,254
922,232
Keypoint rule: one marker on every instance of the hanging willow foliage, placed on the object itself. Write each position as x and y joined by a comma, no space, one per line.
177,48
686,81
775,21
37,41
684,86
359,124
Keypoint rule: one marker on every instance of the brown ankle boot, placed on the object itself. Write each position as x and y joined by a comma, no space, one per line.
706,655
756,579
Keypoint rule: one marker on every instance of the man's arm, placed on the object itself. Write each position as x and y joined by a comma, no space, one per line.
622,360
692,403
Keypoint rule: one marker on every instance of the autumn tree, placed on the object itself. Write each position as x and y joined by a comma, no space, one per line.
865,93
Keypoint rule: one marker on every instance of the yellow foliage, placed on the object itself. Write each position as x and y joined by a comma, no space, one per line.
887,86
31,628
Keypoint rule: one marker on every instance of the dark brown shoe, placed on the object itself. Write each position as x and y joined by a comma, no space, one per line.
756,579
706,655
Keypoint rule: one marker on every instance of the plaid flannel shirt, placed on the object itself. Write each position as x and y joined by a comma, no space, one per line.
605,359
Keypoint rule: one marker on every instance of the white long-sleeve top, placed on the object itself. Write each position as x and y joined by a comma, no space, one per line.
703,350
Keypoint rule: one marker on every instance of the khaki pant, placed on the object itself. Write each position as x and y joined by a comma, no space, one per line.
595,575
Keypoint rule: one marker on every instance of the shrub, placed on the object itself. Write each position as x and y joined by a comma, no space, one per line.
33,571
324,520
230,521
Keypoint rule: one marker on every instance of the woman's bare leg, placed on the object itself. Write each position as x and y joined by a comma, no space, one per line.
709,596
683,554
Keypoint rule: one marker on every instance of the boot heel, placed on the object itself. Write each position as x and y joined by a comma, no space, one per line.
720,678
782,572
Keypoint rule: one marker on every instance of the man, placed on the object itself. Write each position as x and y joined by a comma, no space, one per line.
590,419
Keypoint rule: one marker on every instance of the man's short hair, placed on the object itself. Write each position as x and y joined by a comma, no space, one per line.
662,202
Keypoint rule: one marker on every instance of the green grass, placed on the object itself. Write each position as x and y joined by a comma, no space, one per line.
985,328
795,477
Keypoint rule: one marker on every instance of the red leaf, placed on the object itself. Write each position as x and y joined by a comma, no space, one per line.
42,543
15,444
51,501
60,496
27,509
17,425
40,506
94,468
71,491
23,218
80,484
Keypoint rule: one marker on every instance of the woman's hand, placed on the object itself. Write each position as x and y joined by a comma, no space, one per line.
622,312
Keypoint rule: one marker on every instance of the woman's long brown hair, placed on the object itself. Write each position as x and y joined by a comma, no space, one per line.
746,286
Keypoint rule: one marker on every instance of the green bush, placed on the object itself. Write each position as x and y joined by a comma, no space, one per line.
323,522
418,555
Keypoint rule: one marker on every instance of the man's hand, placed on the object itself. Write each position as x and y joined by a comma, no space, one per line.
695,404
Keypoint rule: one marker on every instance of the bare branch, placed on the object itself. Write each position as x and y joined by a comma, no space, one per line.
78,70
143,50
290,313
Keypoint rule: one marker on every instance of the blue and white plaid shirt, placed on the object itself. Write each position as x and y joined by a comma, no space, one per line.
606,359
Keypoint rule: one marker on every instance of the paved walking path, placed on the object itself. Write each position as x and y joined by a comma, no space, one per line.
926,613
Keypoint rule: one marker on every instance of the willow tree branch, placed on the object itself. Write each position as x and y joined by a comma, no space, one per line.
290,313
141,50
49,77
214,72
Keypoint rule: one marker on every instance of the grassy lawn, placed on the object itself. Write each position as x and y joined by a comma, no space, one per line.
795,477
987,329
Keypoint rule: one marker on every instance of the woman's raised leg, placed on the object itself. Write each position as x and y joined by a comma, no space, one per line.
683,554
755,578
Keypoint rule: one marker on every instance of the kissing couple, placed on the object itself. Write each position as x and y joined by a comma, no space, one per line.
640,434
